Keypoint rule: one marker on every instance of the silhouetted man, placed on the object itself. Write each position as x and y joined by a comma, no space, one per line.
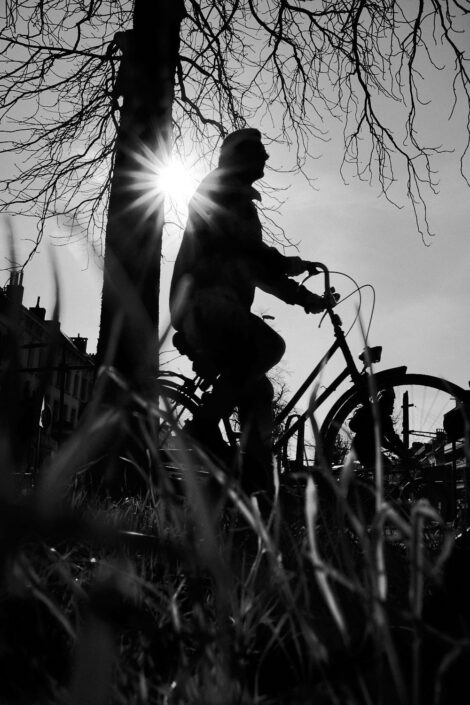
222,259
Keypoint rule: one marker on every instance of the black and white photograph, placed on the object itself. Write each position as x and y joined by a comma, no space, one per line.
234,352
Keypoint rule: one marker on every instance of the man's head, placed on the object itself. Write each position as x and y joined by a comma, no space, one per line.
243,152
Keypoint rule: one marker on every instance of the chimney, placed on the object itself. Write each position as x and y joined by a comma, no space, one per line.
38,310
80,343
14,289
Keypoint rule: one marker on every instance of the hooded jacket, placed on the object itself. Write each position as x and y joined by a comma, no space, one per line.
223,249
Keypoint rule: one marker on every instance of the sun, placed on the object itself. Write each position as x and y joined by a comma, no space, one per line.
177,182
173,179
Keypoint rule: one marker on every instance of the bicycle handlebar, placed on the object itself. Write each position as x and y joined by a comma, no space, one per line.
317,267
330,297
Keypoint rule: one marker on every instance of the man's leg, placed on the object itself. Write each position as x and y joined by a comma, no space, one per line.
256,421
258,348
244,348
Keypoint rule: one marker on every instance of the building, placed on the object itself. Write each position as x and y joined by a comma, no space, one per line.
46,377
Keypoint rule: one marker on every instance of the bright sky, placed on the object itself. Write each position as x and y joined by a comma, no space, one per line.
422,292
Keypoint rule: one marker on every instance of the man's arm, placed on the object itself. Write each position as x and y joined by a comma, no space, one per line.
292,293
271,272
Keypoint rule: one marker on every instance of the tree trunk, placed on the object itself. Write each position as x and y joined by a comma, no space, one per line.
128,337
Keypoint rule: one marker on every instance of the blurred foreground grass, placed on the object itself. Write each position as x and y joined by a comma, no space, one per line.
120,585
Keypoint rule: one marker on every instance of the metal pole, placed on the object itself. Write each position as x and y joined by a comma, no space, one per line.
406,419
453,481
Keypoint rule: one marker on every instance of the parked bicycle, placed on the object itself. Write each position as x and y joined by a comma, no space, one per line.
410,410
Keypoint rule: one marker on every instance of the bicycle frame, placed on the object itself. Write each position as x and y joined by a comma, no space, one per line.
358,378
365,386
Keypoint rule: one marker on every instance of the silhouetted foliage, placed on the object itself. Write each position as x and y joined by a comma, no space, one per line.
286,65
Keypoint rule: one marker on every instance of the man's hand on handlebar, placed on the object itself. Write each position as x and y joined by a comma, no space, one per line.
313,303
297,266
316,304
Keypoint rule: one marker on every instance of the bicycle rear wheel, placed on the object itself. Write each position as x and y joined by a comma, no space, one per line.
417,446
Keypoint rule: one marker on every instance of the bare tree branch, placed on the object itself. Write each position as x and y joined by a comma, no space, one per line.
288,67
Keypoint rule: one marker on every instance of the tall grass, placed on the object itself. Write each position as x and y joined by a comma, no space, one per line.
121,584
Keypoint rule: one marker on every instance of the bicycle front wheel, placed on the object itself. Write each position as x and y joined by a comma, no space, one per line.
411,409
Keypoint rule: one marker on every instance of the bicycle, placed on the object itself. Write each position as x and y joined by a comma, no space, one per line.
424,403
